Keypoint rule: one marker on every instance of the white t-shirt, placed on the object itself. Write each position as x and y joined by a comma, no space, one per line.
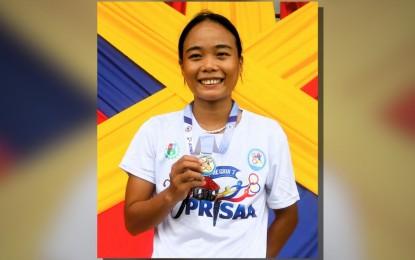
254,174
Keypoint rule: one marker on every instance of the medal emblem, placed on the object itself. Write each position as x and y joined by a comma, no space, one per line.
209,165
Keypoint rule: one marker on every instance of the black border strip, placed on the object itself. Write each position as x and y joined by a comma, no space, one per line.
320,130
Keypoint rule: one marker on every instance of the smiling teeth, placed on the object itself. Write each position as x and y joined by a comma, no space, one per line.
210,81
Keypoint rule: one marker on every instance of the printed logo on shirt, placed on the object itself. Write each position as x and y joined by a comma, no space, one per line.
226,210
225,171
241,190
229,202
172,151
256,159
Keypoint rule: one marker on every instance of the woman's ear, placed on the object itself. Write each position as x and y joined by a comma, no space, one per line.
241,64
181,69
181,66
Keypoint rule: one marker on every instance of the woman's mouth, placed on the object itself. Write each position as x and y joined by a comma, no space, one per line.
210,81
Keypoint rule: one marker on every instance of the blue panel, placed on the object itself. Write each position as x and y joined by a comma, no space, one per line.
303,243
121,82
39,104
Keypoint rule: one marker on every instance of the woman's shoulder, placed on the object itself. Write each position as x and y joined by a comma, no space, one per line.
260,120
169,116
265,125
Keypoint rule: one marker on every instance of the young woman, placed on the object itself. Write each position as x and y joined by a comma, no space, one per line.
206,176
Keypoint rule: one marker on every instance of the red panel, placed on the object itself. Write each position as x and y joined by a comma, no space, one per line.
115,242
311,88
100,117
179,6
286,8
5,159
400,112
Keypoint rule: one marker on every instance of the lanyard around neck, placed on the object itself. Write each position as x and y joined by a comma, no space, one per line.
226,139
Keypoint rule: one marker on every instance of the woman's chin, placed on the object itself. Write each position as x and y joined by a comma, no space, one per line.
212,97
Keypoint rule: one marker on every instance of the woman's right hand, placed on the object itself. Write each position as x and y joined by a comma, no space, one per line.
185,174
143,211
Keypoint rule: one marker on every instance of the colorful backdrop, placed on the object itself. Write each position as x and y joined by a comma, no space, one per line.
139,77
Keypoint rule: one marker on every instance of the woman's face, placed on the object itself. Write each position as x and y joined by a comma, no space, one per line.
210,62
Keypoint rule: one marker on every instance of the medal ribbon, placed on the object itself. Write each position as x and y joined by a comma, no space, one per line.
226,139
207,145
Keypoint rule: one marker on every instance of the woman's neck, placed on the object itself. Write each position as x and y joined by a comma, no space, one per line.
212,115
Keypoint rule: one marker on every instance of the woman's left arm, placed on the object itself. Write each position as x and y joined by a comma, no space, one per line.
280,230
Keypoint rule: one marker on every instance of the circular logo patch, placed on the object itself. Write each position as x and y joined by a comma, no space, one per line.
172,151
256,159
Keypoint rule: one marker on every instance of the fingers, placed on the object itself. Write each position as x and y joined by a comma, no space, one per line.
185,174
190,176
184,164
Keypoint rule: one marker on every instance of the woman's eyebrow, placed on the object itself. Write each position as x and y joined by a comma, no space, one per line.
223,46
193,48
219,46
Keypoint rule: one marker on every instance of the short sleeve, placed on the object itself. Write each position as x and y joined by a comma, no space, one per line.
139,158
281,186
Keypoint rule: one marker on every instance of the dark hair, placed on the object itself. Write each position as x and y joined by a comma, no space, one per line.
206,15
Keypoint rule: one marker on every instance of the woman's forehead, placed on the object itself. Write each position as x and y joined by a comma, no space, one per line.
209,32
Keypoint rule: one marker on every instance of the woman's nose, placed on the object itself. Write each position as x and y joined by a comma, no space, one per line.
209,64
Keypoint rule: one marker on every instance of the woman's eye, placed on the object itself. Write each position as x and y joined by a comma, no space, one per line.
223,54
194,56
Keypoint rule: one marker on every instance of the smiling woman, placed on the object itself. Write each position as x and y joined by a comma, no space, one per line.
210,65
191,182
